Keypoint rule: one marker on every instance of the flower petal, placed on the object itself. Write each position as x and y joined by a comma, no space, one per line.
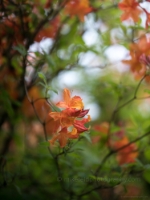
62,104
66,96
83,113
76,102
79,125
73,134
63,137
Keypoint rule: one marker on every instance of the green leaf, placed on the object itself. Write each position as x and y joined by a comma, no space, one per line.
42,76
21,49
18,189
40,83
51,89
87,136
139,163
55,91
50,62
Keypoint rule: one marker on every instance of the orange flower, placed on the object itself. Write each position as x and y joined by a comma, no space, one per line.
79,125
78,7
145,60
49,31
63,135
74,102
64,120
62,138
60,122
103,129
127,154
137,50
131,10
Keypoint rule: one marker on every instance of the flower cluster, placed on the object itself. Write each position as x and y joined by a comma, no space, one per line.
69,122
132,10
139,57
78,7
126,152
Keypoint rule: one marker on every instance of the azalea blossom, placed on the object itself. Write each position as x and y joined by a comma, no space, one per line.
69,122
139,53
131,10
145,60
74,102
127,154
78,7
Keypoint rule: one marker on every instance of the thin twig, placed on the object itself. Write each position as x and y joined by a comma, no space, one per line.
119,149
112,118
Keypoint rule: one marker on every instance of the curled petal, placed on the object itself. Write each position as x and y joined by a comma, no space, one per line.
83,113
79,125
73,134
72,112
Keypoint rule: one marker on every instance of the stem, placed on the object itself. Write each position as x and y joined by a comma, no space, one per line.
134,96
105,159
96,188
119,149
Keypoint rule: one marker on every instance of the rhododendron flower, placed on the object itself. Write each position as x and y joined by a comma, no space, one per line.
78,7
74,102
103,129
79,124
64,134
127,154
131,10
49,30
63,118
62,137
145,60
137,63
68,119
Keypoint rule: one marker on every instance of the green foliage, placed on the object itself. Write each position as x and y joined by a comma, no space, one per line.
112,156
